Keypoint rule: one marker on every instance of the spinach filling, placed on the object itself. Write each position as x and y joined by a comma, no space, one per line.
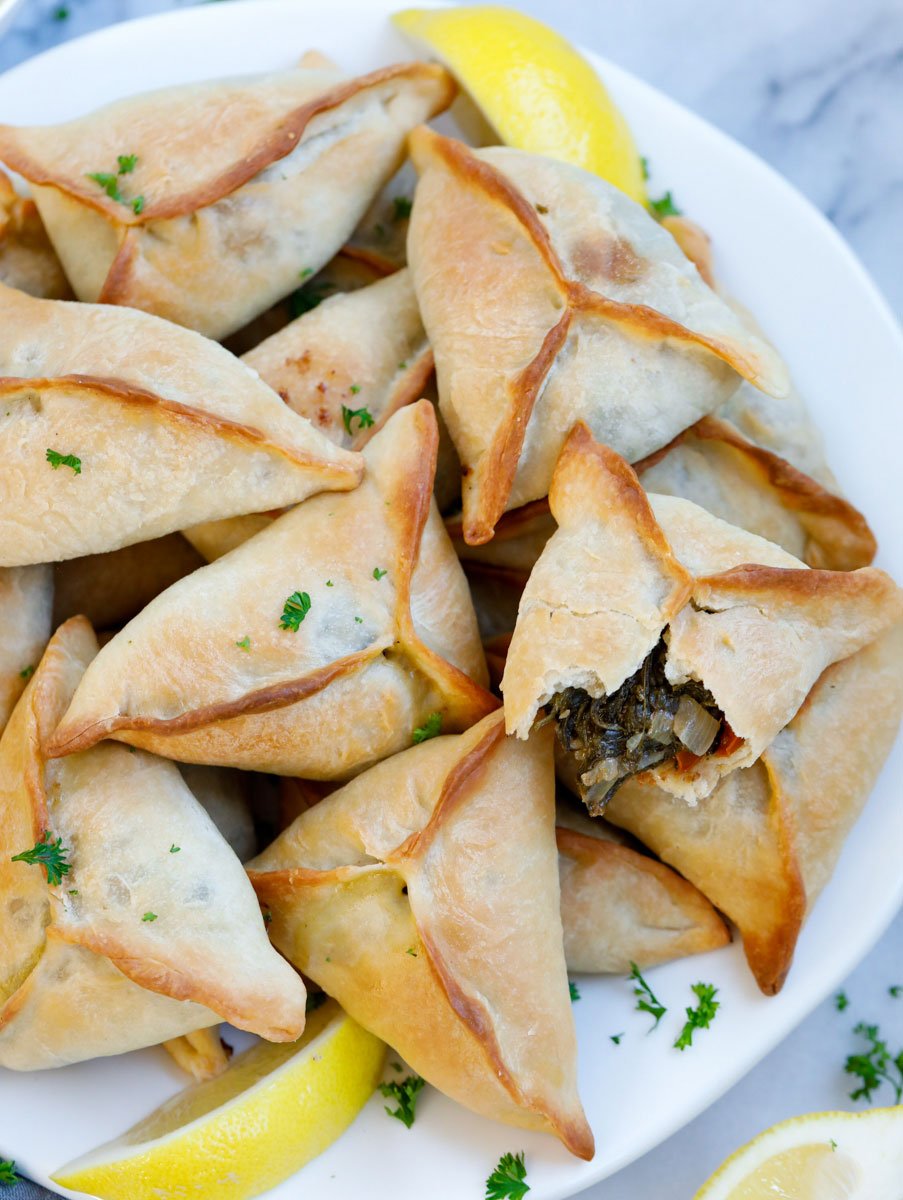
647,721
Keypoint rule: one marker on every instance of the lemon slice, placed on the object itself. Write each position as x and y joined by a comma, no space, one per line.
533,88
275,1108
825,1156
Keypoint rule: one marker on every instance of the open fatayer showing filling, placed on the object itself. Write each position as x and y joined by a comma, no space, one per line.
666,643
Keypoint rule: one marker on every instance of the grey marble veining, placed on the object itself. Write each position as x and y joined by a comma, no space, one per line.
814,87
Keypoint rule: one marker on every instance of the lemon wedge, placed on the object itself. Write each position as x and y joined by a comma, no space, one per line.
532,87
825,1156
274,1109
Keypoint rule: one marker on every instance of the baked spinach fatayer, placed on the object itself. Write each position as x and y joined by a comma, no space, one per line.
678,645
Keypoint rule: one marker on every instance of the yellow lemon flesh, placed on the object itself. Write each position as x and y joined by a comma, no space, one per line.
274,1109
533,88
825,1156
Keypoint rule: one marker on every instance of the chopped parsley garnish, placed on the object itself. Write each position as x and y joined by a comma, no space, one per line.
875,1066
644,166
174,849
244,644
8,1173
149,916
26,672
354,389
109,181
402,206
402,366
507,1180
73,891
58,460
307,272
541,209
410,950
358,620
61,13
295,609
646,1000
701,1016
832,1144
49,854
665,207
841,1001
396,1066
574,990
329,583
314,1001
430,728
110,184
307,298
896,991
616,1038
378,573
405,1093
361,415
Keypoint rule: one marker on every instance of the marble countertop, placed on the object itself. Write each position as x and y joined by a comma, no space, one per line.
813,87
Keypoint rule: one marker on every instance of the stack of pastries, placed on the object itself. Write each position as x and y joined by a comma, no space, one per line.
313,502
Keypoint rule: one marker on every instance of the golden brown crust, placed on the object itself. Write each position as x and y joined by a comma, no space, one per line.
281,142
738,613
786,586
511,524
280,889
118,279
202,1054
464,775
758,886
379,264
603,516
260,701
71,800
109,589
410,388
503,456
764,843
799,491
127,393
576,1136
516,523
27,258
643,321
424,870
840,537
415,495
461,160
608,873
623,492
695,243
500,460
769,951
167,980
218,721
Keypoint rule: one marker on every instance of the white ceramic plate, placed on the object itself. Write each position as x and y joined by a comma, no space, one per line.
788,265
7,8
